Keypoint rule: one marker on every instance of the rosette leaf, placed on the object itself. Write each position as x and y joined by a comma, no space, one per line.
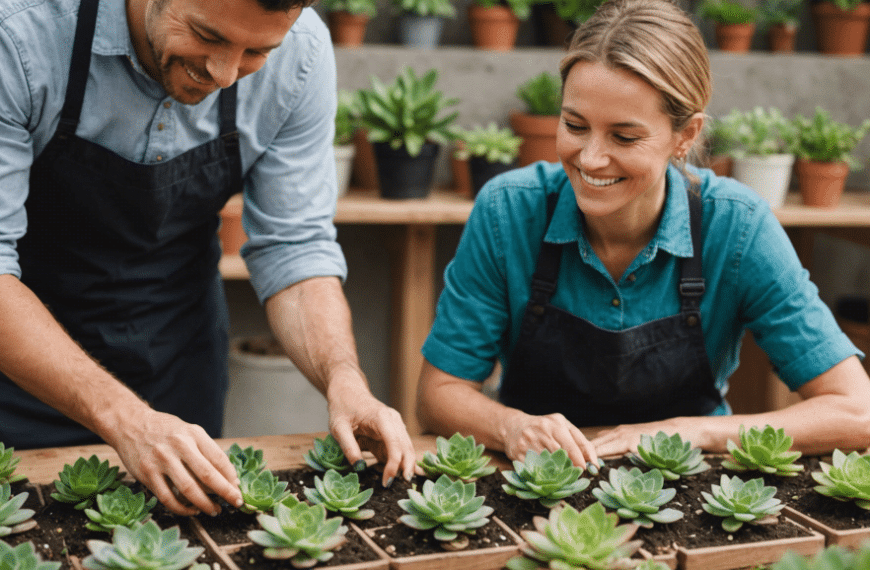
847,478
119,508
448,507
299,532
548,477
637,496
84,480
14,519
144,547
247,459
738,502
672,456
833,557
8,462
765,450
327,454
23,557
341,495
458,458
261,491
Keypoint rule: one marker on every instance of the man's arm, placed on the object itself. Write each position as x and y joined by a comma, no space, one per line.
312,321
157,449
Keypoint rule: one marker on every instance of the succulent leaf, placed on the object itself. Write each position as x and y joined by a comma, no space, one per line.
847,478
548,477
341,494
327,454
119,508
8,462
301,533
833,557
247,459
670,455
738,502
144,547
458,458
23,557
14,519
261,491
637,496
81,482
765,450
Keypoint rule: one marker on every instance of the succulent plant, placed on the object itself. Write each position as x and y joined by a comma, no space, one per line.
833,557
84,480
637,496
448,507
672,456
119,508
14,519
8,462
262,491
144,547
23,557
341,494
299,532
458,458
572,540
327,454
738,502
846,479
245,460
765,450
548,477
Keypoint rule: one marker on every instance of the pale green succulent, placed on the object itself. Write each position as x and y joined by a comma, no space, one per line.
672,456
548,477
637,496
572,540
299,532
448,507
261,491
14,519
341,494
8,462
245,460
833,557
764,450
23,557
458,458
327,454
738,502
846,479
119,508
144,547
84,480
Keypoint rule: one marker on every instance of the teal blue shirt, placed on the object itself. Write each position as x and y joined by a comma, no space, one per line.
753,276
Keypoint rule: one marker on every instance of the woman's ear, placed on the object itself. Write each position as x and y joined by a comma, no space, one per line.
690,133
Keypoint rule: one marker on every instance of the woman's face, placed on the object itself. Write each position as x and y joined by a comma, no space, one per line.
615,142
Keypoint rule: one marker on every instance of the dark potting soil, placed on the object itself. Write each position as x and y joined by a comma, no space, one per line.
353,551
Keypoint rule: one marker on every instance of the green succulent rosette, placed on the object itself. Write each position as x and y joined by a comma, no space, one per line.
637,496
547,477
672,456
765,450
846,478
458,458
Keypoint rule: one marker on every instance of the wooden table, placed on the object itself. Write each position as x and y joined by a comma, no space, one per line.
415,277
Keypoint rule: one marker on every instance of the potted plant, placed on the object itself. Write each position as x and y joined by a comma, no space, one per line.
537,125
346,121
720,139
561,18
405,125
488,151
735,23
494,23
348,20
824,150
841,26
421,21
780,18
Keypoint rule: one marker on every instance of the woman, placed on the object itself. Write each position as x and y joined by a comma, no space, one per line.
615,287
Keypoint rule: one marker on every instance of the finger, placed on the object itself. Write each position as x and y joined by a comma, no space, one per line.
211,467
190,487
587,449
343,434
565,439
161,489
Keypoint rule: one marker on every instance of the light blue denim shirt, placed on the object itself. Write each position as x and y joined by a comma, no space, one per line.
753,278
285,118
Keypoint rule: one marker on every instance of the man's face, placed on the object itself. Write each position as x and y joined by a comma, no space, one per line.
195,47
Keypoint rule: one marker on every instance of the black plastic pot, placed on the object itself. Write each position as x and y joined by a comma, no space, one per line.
482,170
404,176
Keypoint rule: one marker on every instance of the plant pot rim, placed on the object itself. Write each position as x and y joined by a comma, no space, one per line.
779,159
829,8
852,537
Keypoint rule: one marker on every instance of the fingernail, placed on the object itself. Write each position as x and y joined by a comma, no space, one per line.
388,483
593,470
600,462
239,503
359,465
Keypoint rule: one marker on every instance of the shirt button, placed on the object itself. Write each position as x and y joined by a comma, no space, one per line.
168,104
692,320
632,277
159,158
615,302
159,126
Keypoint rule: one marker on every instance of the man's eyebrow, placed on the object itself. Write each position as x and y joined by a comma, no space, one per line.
218,36
624,125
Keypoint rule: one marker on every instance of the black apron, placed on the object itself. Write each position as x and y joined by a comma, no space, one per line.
562,363
125,256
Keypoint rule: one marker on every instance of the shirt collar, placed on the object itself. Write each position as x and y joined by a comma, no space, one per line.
112,33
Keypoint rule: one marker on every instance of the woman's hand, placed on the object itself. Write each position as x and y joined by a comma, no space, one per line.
625,438
551,432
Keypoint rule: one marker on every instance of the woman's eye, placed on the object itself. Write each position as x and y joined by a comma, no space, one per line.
625,140
574,127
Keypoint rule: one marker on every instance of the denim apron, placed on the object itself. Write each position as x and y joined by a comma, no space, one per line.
125,256
562,363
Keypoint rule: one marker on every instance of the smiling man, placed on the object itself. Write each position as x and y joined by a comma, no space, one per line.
124,128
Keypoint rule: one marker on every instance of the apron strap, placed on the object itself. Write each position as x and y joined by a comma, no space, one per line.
692,284
549,261
81,64
230,133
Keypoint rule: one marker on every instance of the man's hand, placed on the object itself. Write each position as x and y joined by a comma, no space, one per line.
625,438
550,432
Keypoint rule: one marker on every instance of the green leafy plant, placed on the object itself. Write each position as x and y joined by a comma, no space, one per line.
144,547
637,496
262,491
360,7
727,12
823,139
548,477
346,117
738,502
672,456
765,450
440,8
572,540
576,11
490,142
119,508
458,458
847,5
8,462
299,532
406,112
763,132
522,9
448,507
14,519
832,557
721,134
846,478
779,12
542,94
327,454
84,480
341,495
246,460
23,557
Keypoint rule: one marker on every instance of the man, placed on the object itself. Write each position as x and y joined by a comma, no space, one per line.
123,131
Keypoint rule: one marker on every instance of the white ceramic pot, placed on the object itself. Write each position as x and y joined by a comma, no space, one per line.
768,175
343,166
268,395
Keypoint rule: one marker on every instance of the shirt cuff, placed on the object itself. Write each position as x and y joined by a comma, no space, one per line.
280,267
448,359
818,360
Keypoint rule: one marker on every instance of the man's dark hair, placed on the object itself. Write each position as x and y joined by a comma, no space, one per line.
284,5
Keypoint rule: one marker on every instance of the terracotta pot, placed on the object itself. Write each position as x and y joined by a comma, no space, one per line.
721,165
493,27
821,183
782,38
365,169
539,137
348,30
734,37
461,176
848,538
557,31
841,32
231,233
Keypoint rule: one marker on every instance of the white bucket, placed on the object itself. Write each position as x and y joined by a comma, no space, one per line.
343,166
768,175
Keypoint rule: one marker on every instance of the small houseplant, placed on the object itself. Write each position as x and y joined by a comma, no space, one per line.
720,140
489,152
561,18
458,457
537,124
348,20
734,23
841,26
144,546
422,20
780,18
495,23
346,123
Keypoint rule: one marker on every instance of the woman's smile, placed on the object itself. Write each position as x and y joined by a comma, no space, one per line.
599,181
